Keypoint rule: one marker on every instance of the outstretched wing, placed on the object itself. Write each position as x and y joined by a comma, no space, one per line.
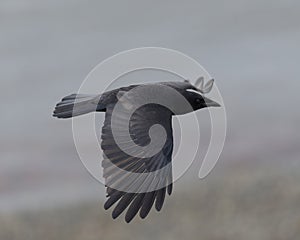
132,179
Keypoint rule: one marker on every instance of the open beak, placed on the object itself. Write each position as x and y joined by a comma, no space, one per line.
211,103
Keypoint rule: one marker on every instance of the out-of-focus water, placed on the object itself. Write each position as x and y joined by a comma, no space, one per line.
48,47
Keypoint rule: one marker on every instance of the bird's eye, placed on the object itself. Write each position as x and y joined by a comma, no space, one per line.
198,100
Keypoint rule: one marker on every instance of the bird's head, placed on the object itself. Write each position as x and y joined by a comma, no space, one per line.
194,94
198,101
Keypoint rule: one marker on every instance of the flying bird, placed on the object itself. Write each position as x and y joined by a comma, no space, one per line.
137,177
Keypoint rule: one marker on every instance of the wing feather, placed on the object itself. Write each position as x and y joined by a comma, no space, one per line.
123,185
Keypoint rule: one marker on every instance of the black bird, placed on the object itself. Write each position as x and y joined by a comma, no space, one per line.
139,192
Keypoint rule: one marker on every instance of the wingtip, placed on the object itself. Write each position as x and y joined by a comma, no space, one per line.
128,220
114,215
143,215
106,207
158,207
170,189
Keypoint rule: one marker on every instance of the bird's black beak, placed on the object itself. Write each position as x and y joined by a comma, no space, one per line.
211,103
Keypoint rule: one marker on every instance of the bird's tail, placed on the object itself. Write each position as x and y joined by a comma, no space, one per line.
75,105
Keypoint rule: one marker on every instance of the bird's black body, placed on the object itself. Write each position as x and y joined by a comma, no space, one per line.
141,192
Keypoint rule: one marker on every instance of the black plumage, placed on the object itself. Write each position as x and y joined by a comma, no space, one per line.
126,188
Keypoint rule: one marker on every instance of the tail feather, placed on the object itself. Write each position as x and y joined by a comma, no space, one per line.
75,105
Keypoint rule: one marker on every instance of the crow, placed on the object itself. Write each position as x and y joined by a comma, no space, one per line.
132,178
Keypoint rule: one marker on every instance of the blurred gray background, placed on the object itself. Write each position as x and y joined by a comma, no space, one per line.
252,50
